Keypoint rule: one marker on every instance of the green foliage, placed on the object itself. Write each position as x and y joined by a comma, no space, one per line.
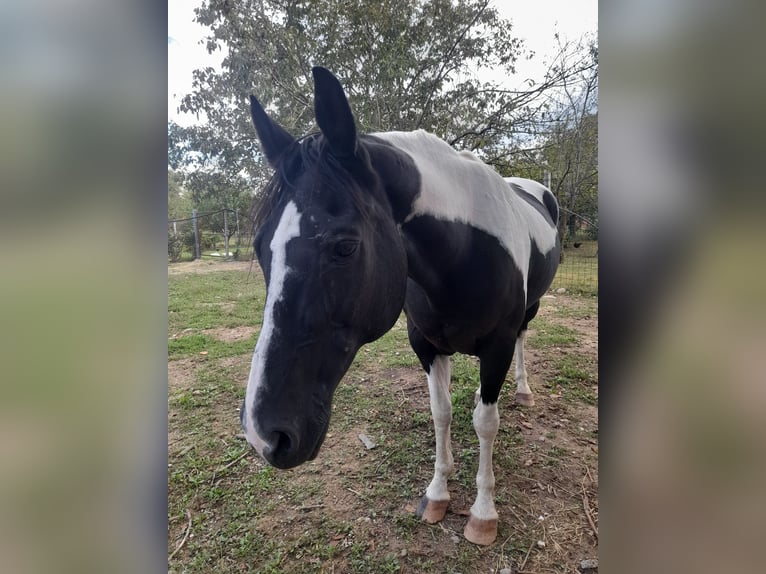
405,66
179,201
175,248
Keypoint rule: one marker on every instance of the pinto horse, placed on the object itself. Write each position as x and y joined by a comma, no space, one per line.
354,228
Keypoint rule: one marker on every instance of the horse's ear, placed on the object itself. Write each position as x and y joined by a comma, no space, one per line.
274,139
333,113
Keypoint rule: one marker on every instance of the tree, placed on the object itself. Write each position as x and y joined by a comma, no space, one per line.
406,64
565,140
572,148
179,202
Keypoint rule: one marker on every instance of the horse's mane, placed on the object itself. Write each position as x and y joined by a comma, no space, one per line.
310,153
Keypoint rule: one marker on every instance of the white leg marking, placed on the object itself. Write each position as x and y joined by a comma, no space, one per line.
521,371
486,421
441,410
287,229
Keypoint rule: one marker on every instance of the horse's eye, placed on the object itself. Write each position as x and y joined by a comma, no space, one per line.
345,248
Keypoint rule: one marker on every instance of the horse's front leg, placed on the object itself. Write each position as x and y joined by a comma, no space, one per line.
433,506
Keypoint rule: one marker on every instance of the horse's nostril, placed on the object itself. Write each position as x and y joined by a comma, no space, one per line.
280,444
283,442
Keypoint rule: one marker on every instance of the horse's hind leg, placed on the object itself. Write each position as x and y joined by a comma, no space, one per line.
482,523
433,506
524,394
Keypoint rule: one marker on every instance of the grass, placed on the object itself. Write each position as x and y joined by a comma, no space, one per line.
548,334
347,511
575,379
578,270
219,299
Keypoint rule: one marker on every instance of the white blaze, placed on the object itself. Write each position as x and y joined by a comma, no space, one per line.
287,229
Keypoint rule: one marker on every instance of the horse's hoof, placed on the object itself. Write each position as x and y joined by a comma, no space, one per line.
481,532
525,399
432,511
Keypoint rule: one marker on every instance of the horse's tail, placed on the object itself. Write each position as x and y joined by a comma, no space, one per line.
540,193
549,200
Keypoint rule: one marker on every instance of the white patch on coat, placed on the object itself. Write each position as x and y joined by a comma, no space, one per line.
521,371
486,421
287,229
532,187
441,411
455,187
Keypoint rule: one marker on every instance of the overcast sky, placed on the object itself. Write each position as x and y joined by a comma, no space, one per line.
535,22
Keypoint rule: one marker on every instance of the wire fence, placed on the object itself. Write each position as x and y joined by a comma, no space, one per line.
226,234
578,269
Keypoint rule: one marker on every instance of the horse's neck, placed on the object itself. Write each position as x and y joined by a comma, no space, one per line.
398,174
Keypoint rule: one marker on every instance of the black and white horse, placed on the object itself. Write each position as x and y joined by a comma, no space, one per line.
354,228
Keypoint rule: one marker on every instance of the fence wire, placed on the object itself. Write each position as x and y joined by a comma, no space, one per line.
578,269
577,272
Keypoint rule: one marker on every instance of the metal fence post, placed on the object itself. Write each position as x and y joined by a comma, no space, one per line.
225,232
196,234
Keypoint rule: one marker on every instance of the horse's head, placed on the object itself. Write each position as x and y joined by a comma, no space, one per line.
335,269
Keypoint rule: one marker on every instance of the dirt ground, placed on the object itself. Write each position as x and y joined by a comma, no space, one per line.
353,504
210,266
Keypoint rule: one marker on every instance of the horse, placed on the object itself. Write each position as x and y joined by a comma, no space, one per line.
354,228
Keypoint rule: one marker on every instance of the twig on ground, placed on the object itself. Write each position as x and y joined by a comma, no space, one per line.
586,505
524,562
228,466
524,524
586,508
186,535
359,494
235,461
310,507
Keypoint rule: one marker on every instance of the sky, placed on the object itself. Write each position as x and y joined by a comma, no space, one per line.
535,22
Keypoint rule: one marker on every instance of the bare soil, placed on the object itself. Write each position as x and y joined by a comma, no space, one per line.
546,467
209,266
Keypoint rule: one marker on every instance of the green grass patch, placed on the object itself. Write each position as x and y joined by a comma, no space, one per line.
199,343
390,351
575,379
578,271
215,299
547,334
250,517
585,308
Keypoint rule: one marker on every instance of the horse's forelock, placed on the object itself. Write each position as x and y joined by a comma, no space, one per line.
310,153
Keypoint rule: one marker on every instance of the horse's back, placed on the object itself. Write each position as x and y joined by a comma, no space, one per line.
543,263
456,186
539,192
458,189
